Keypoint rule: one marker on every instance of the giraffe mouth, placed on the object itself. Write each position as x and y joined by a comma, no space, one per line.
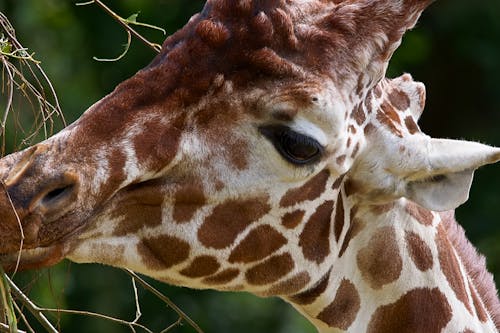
27,259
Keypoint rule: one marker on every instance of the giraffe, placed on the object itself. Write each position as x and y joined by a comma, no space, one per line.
263,150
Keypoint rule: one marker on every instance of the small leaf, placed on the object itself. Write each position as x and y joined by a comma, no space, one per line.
6,47
132,18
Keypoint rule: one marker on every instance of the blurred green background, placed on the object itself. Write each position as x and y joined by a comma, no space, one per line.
455,51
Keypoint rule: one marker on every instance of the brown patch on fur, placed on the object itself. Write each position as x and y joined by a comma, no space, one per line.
290,286
354,229
451,267
478,305
338,182
341,159
222,277
355,150
270,270
399,99
309,296
140,206
237,150
162,252
369,128
257,245
187,200
158,145
292,219
420,310
422,215
358,114
315,238
309,191
389,118
342,312
411,125
475,266
379,261
201,266
229,219
419,251
339,218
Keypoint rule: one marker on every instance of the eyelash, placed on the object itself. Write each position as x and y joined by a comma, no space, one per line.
296,148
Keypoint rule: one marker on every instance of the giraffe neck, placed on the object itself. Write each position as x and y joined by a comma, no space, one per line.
400,268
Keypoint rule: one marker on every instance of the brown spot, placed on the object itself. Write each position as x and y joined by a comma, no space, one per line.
309,296
420,310
411,125
388,117
229,219
338,182
422,215
378,91
213,33
352,129
187,201
309,191
349,142
354,229
399,99
339,218
419,251
201,266
292,219
258,244
478,304
379,261
270,270
369,128
315,238
158,145
237,151
342,312
139,208
341,159
355,150
290,286
223,277
468,330
451,267
162,252
358,114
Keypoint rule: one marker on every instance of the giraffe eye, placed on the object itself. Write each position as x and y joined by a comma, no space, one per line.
295,147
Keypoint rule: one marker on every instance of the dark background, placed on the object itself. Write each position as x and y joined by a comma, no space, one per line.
454,50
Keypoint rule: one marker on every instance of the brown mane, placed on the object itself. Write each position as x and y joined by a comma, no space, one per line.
475,264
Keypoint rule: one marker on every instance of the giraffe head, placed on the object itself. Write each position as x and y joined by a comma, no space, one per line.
219,164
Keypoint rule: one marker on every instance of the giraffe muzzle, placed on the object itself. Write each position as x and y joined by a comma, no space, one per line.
36,201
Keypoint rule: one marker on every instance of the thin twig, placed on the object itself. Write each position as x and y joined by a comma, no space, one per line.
165,299
6,328
34,309
124,23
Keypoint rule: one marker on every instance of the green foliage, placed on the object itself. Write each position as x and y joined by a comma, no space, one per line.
454,50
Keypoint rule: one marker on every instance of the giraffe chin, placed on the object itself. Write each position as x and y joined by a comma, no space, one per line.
33,258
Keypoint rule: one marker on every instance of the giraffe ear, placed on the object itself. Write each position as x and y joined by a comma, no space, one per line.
444,180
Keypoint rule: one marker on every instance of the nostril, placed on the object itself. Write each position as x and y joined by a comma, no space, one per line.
57,194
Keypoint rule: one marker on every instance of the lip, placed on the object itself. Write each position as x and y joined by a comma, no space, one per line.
33,258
